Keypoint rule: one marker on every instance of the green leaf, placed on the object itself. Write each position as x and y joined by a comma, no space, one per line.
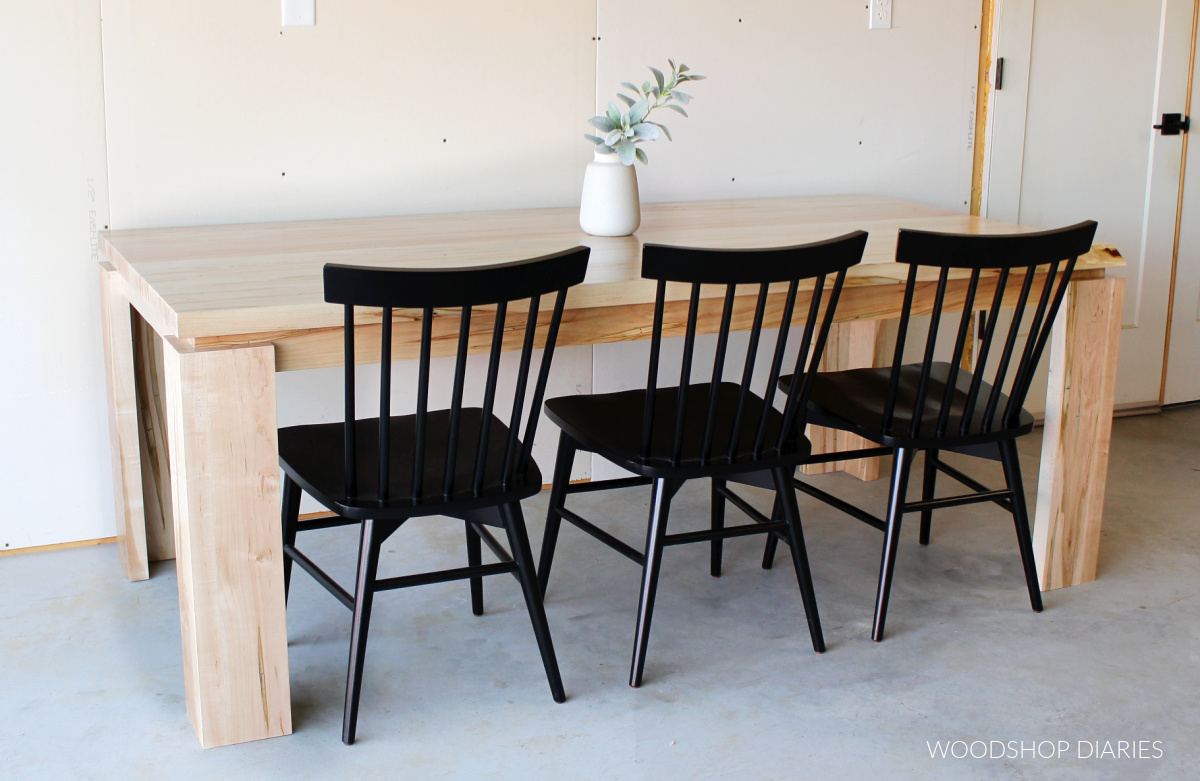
639,111
672,64
673,107
683,68
696,78
614,114
663,128
658,77
631,87
612,138
628,101
641,155
646,87
645,132
594,139
602,123
625,151
682,97
604,149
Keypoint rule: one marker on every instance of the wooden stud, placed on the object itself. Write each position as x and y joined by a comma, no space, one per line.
224,466
1075,443
58,546
123,424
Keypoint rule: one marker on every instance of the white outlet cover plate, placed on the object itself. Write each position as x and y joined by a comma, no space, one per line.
881,15
299,13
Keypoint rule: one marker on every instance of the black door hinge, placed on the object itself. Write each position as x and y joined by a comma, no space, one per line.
1174,124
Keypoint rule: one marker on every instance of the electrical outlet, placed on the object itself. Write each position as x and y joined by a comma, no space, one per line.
881,15
299,13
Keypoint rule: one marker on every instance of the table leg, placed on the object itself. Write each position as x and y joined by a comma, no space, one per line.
117,334
1075,444
224,465
152,422
854,345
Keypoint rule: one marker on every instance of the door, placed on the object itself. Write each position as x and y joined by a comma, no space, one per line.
1070,138
1182,381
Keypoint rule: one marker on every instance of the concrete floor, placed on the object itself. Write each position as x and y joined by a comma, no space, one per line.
92,687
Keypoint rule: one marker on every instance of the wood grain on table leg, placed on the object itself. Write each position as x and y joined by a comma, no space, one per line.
224,466
1075,444
156,474
123,424
854,345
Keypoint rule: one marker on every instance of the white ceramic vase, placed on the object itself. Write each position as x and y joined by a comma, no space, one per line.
609,206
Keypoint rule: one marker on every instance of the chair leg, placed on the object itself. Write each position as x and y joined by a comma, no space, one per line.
518,542
475,559
901,462
785,494
718,522
368,565
656,532
927,488
772,541
1012,474
558,499
289,523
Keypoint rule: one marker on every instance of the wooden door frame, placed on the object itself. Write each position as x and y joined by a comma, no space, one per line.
1187,112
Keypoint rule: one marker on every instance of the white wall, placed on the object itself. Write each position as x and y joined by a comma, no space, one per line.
210,103
54,430
802,98
215,115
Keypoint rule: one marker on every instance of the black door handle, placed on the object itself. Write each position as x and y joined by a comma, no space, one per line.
1174,124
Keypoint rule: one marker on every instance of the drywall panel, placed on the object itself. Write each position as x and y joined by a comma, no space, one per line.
53,197
216,114
802,98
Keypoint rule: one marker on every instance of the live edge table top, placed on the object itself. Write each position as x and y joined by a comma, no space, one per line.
218,280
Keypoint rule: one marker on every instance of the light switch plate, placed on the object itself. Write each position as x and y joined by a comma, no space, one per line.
881,15
299,13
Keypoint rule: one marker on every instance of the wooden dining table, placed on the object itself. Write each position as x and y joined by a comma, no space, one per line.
197,321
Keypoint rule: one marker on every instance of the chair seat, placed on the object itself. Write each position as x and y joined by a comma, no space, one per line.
314,456
854,401
610,424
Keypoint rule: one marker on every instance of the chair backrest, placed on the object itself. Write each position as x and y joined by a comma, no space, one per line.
437,293
757,270
1009,263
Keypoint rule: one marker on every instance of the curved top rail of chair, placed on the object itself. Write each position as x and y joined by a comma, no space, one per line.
443,287
754,266
983,251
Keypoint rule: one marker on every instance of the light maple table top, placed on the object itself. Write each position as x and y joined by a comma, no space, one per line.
216,280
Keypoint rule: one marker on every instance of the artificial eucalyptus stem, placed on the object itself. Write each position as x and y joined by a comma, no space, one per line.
623,131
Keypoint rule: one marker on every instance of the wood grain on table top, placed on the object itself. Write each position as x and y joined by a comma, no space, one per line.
225,279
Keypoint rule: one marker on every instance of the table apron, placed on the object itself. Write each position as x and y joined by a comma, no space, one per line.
316,348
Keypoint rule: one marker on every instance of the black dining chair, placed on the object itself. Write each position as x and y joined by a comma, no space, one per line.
942,406
463,462
714,429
